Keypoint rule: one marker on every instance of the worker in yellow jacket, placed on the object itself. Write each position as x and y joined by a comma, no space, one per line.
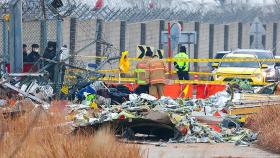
182,67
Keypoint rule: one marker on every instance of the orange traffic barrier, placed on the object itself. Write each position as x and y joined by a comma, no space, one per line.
213,89
177,90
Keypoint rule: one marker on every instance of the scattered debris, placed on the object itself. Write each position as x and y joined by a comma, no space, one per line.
181,120
94,104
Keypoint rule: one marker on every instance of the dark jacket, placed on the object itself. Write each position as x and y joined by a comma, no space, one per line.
50,54
33,57
25,57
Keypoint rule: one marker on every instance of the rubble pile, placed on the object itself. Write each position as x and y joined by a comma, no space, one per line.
196,120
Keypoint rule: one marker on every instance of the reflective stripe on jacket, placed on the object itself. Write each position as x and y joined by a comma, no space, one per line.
142,72
182,64
157,71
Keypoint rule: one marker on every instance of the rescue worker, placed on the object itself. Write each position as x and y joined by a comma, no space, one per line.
25,53
142,72
34,54
182,67
157,75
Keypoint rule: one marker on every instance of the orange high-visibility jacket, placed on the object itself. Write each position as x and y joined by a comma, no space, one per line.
143,71
157,71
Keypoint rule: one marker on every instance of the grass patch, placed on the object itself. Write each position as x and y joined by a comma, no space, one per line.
266,123
36,134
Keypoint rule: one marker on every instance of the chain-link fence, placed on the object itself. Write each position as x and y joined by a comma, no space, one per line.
2,39
38,32
139,11
111,29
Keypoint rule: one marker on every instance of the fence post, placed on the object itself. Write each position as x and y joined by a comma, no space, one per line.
182,29
264,38
15,49
122,36
226,37
274,40
44,35
240,35
99,30
161,28
5,42
143,34
58,67
211,40
73,30
196,46
251,41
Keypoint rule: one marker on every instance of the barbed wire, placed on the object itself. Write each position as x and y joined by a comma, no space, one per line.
136,12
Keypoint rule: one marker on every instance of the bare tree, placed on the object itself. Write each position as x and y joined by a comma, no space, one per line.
277,5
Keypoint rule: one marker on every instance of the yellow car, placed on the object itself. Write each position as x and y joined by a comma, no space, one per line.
251,71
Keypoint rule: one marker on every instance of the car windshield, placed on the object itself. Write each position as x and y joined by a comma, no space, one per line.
240,64
261,55
220,55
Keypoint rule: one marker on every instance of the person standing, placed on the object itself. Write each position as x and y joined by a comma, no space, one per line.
157,75
182,67
50,53
25,53
34,55
142,72
64,56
